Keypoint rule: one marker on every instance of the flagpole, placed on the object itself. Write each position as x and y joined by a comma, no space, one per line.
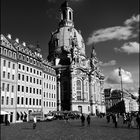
120,74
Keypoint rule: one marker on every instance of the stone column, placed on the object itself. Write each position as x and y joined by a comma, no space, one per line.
90,95
58,91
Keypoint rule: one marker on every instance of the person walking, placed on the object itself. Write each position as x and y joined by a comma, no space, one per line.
115,120
34,123
108,118
88,120
138,120
83,120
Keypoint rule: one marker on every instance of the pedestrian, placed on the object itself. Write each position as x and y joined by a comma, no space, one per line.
34,123
124,119
115,117
138,120
66,118
88,120
129,121
108,118
7,122
83,120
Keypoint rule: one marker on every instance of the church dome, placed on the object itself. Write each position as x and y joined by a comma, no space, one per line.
66,38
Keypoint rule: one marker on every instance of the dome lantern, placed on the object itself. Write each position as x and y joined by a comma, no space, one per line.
66,14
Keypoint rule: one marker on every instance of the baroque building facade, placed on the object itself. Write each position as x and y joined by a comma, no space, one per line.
28,82
114,96
79,79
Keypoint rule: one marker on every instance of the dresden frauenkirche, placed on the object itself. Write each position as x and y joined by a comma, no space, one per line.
79,79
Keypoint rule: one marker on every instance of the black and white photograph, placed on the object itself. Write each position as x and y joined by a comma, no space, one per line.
69,70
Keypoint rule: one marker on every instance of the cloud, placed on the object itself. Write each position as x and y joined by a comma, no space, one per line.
114,77
110,63
132,20
129,30
130,47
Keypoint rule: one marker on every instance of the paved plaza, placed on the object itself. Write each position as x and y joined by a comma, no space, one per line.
60,130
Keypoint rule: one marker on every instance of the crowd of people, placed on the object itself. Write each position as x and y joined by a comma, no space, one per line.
128,119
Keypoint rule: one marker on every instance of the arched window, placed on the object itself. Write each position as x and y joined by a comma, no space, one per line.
69,15
79,89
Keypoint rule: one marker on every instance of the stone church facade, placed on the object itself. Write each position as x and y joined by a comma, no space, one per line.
79,79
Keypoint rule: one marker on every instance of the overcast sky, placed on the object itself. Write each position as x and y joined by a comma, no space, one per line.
111,25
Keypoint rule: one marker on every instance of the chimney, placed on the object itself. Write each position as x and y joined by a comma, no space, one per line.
9,36
24,44
17,40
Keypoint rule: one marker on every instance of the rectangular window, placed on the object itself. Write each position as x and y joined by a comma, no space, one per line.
40,82
12,88
27,68
22,88
13,66
33,90
37,91
7,100
13,77
3,74
4,62
40,91
26,101
19,76
22,100
22,77
9,64
30,101
36,101
34,80
27,79
8,75
31,70
26,89
12,101
3,86
18,100
18,87
33,101
2,100
31,79
23,68
34,71
7,87
30,90
39,101
19,66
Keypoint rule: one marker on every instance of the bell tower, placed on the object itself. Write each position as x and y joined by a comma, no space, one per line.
66,15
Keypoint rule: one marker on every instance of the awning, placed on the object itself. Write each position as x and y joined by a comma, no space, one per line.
4,113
